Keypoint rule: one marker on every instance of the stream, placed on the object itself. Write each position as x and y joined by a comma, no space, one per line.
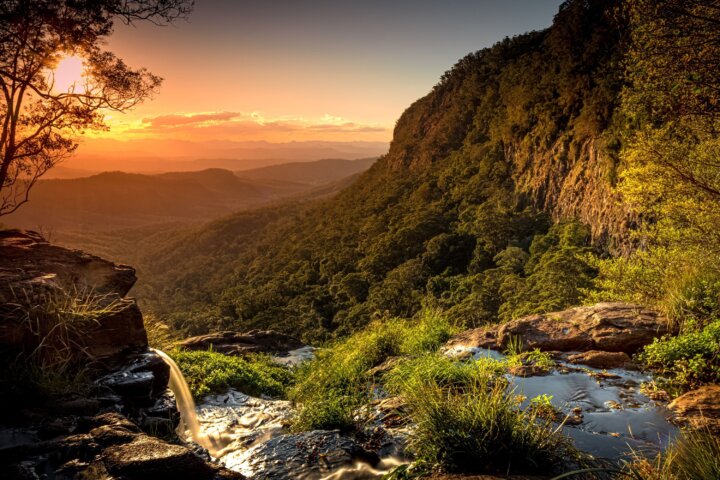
610,416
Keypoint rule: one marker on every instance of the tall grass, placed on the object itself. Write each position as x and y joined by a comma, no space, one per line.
466,421
695,455
333,388
54,325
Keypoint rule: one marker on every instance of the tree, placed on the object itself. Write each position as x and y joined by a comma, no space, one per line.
674,92
40,120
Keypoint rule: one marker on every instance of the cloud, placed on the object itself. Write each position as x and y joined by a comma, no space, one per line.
253,125
189,119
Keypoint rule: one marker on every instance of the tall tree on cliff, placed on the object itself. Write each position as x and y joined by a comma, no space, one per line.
673,100
40,117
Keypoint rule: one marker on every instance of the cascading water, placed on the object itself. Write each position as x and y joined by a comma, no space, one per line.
186,407
229,425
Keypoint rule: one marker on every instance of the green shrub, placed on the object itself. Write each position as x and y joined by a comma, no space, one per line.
695,455
428,334
441,370
687,360
466,421
332,388
211,372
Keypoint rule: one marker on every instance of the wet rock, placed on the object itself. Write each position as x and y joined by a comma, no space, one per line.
610,327
699,408
302,455
600,359
235,343
142,380
391,411
162,418
149,458
384,367
528,371
483,337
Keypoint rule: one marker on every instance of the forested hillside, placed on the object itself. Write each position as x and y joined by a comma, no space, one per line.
501,195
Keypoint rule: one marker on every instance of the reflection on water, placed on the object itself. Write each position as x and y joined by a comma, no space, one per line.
616,416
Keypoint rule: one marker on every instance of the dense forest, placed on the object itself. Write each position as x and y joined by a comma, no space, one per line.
540,173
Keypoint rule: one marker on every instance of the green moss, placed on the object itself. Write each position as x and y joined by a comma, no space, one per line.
211,372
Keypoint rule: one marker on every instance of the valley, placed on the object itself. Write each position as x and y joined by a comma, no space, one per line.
523,284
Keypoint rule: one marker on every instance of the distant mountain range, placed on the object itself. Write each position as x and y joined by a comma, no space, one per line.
160,156
114,200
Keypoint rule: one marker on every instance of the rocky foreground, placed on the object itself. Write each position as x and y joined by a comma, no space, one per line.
125,428
113,432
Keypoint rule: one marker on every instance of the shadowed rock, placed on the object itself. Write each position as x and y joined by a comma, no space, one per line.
235,343
25,256
33,272
699,408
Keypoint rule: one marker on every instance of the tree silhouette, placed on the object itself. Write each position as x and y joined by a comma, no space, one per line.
40,122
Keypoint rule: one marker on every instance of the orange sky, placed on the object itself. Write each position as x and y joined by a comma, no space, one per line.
283,70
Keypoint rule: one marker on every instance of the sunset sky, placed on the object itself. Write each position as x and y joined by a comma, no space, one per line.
290,70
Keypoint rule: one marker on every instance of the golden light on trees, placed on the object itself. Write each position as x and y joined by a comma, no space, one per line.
68,75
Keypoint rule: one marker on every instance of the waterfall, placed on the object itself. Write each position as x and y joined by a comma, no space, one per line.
186,407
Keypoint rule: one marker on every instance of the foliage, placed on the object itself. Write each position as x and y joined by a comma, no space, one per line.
695,455
465,420
441,370
41,119
335,385
210,372
687,360
57,322
54,325
159,334
454,217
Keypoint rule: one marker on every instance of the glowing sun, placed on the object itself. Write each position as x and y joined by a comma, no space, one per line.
68,75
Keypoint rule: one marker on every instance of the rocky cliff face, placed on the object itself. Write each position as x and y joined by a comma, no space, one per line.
543,103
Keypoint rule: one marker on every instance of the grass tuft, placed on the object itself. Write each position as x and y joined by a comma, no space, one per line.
695,455
333,388
467,421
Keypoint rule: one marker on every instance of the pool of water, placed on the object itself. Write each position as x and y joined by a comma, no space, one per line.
617,417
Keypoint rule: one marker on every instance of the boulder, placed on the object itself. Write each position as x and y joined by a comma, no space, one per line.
235,343
141,380
32,271
26,255
601,359
611,327
149,458
699,408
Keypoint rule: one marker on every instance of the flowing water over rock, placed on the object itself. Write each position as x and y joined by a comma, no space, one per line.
604,412
248,435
